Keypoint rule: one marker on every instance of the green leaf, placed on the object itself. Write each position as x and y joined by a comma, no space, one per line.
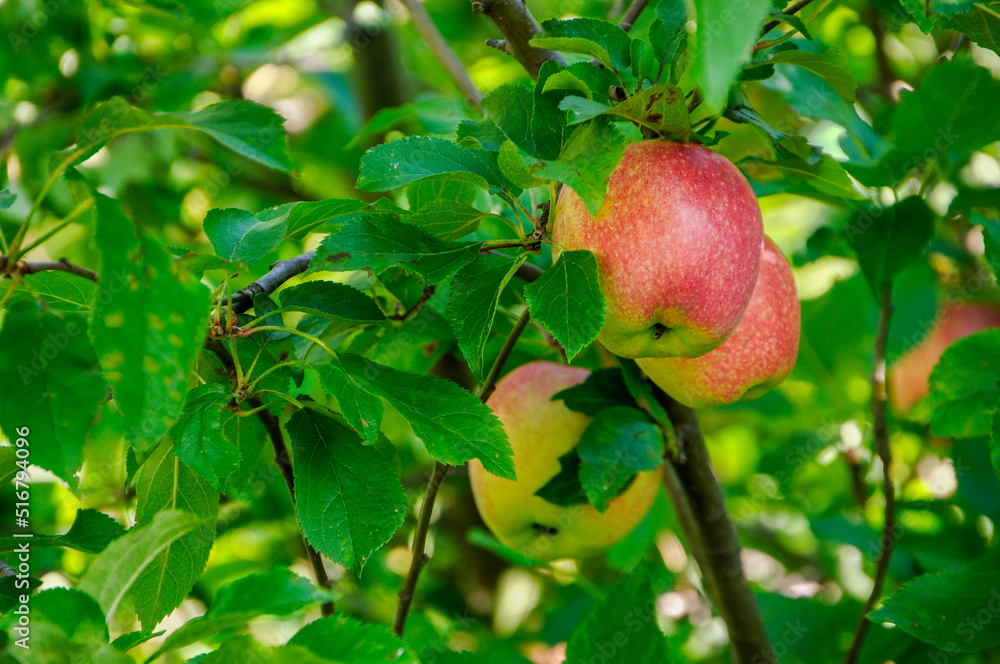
347,494
66,625
448,219
247,128
398,163
75,613
661,108
954,611
238,235
367,245
825,175
991,240
948,114
6,198
514,166
244,650
548,121
148,326
601,40
197,435
62,291
567,80
830,65
362,410
130,640
164,483
345,639
312,216
622,628
509,106
965,387
723,43
995,441
8,465
565,488
889,239
279,592
113,574
50,383
472,303
336,301
668,35
91,532
642,391
603,388
453,423
981,24
618,443
568,301
586,161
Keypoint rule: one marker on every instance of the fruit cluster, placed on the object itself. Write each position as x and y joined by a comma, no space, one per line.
695,292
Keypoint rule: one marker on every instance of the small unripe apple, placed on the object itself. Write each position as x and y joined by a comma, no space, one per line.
540,431
759,355
678,241
908,379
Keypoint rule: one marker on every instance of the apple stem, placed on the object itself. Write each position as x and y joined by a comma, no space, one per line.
715,534
881,435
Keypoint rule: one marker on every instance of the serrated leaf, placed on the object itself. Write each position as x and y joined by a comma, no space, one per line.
50,383
825,175
362,411
197,435
62,291
91,532
367,245
618,443
114,573
633,603
346,639
602,388
448,219
723,42
398,163
279,592
642,392
965,387
453,423
565,488
889,239
668,34
601,40
311,216
348,497
509,107
336,301
587,160
75,613
514,168
548,122
568,301
830,65
148,329
243,649
567,80
239,236
472,303
661,108
163,483
937,608
981,24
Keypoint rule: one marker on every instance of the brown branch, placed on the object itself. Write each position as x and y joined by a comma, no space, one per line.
280,272
22,268
717,536
794,8
418,557
518,26
443,52
682,508
881,434
632,14
281,459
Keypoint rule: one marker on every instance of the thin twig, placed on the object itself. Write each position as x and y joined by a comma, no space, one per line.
682,508
279,273
717,535
632,14
518,26
443,52
281,459
22,268
881,433
418,557
791,10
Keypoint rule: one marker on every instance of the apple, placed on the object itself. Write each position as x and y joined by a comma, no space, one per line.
908,379
541,431
759,355
678,241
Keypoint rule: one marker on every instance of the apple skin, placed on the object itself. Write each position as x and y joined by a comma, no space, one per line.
759,355
541,431
678,241
908,379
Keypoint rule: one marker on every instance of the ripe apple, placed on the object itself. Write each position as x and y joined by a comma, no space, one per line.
908,380
541,431
678,241
759,355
